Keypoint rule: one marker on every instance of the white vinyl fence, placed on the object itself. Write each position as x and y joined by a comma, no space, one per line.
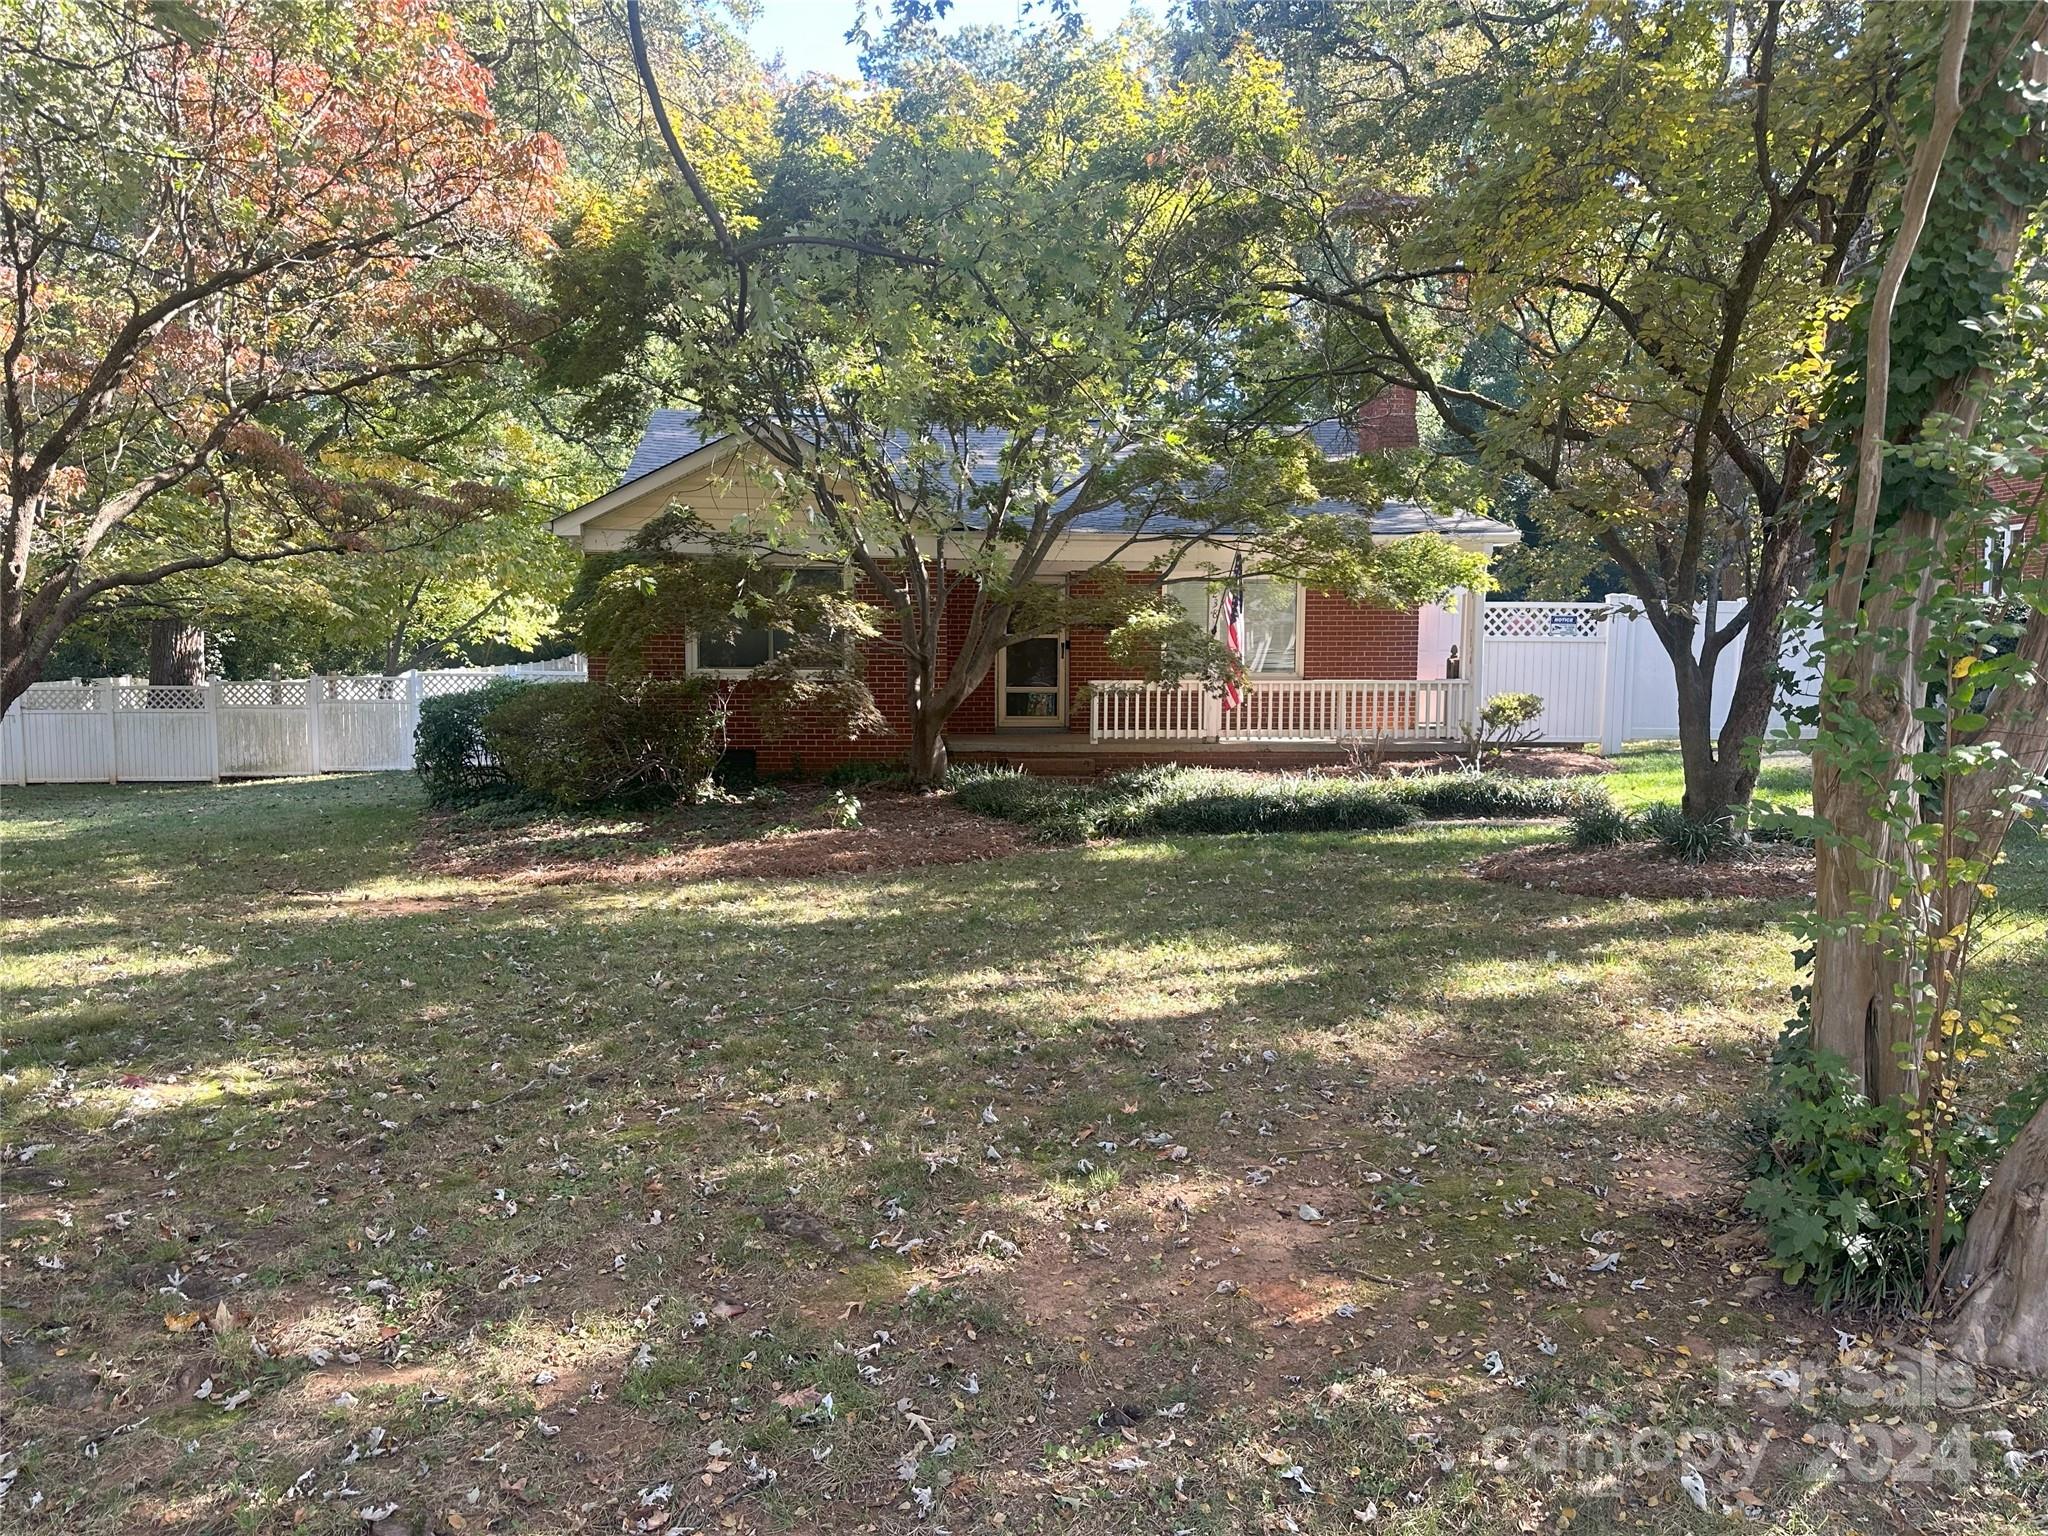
1602,673
118,731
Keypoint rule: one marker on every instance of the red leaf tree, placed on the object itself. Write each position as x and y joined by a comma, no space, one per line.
230,233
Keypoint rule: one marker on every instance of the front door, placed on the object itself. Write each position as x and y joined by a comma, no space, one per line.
1031,682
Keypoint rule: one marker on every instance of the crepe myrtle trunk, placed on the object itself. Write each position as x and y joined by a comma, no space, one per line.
932,702
929,759
2002,1319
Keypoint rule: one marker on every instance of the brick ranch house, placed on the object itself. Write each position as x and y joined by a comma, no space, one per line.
1325,672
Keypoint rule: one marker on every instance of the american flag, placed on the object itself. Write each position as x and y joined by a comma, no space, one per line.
1233,629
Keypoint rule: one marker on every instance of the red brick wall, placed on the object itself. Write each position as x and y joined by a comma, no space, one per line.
2012,491
1088,661
1340,639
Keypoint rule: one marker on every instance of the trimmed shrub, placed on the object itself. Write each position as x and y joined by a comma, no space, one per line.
1141,801
1165,799
1495,794
1505,720
1057,810
1605,825
582,744
1221,801
1696,842
448,749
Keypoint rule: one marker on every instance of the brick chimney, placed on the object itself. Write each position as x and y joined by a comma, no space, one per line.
1387,420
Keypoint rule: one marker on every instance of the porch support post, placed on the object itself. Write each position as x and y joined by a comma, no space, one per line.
1471,645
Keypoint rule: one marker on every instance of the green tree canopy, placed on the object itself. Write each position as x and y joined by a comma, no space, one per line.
1016,286
1645,217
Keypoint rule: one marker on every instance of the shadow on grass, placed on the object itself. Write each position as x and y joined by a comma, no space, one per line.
697,1091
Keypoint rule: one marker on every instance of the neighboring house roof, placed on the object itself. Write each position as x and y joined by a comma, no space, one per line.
673,436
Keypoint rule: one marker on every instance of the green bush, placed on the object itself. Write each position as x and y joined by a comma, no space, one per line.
1142,801
1604,824
1839,1187
1059,810
1153,800
1218,800
582,744
448,750
1469,794
1694,841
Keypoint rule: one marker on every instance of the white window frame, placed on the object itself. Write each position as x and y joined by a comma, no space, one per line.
740,674
1294,674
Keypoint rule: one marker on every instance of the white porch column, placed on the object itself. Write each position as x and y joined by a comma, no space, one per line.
1471,649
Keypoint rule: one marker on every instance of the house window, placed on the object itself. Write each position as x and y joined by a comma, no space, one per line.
745,647
1272,621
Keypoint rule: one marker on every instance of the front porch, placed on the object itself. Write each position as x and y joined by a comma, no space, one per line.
1284,713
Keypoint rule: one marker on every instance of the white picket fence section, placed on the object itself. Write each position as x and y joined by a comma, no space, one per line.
1603,675
119,731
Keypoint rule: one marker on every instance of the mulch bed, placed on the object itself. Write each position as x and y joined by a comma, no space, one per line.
896,831
1767,872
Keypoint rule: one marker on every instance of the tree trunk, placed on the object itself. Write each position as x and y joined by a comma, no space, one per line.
1717,784
1721,771
931,706
23,654
1857,981
928,756
177,653
2002,1319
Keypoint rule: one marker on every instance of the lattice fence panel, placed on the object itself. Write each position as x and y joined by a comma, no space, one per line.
69,697
1544,621
145,697
364,690
271,693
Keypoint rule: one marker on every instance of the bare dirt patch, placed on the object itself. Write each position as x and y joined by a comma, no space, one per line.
1770,872
789,836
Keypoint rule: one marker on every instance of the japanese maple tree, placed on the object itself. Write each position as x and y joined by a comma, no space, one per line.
228,230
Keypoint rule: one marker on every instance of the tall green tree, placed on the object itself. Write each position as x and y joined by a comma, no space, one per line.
1660,207
1009,285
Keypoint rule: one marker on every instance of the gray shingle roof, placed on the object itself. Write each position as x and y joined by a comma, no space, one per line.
676,434
670,435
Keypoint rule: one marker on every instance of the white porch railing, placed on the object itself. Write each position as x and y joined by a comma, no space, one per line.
1308,711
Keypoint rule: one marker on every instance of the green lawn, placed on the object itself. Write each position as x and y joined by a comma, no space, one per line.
1647,775
965,1197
